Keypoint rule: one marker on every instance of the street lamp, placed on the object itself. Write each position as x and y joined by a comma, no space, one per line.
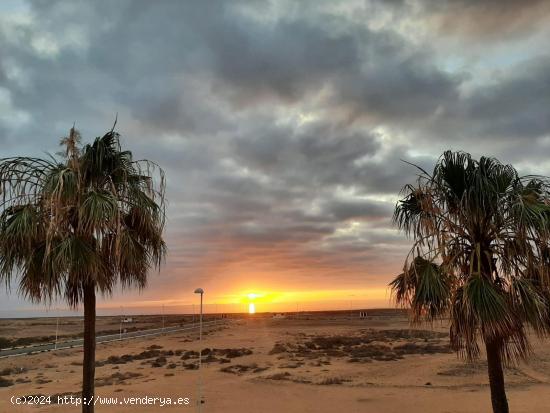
201,292
120,329
163,318
56,330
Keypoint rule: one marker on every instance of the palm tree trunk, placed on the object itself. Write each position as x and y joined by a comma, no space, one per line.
88,367
496,377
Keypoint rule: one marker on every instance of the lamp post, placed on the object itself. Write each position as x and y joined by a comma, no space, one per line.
56,330
201,292
163,318
120,328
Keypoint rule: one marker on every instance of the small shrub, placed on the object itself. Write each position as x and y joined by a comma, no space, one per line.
5,382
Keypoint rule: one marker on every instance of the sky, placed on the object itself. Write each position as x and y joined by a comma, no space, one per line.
282,126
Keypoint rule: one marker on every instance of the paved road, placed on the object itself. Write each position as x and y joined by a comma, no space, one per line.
38,348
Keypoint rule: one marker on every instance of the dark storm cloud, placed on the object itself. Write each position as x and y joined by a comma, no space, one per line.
285,61
516,106
357,209
282,126
506,117
316,154
397,83
368,73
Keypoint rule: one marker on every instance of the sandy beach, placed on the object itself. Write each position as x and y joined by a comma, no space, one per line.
313,364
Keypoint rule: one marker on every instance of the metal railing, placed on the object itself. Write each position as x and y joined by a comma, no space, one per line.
52,346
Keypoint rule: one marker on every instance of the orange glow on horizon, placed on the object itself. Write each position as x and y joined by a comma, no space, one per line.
266,300
308,300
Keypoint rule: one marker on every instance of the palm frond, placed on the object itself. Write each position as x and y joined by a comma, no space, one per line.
95,217
489,230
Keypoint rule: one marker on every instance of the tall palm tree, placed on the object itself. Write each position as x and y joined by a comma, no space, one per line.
480,256
80,224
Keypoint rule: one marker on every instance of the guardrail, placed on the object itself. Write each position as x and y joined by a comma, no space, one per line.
46,347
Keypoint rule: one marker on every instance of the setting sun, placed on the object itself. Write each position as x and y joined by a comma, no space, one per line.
273,298
251,308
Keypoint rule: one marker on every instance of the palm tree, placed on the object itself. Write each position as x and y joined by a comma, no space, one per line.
481,256
80,224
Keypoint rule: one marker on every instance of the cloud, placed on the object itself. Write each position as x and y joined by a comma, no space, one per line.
282,126
343,210
516,105
285,61
495,20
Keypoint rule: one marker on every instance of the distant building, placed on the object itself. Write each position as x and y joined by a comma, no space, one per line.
128,320
279,316
363,314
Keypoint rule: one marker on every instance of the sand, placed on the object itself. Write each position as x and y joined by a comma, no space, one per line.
315,365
